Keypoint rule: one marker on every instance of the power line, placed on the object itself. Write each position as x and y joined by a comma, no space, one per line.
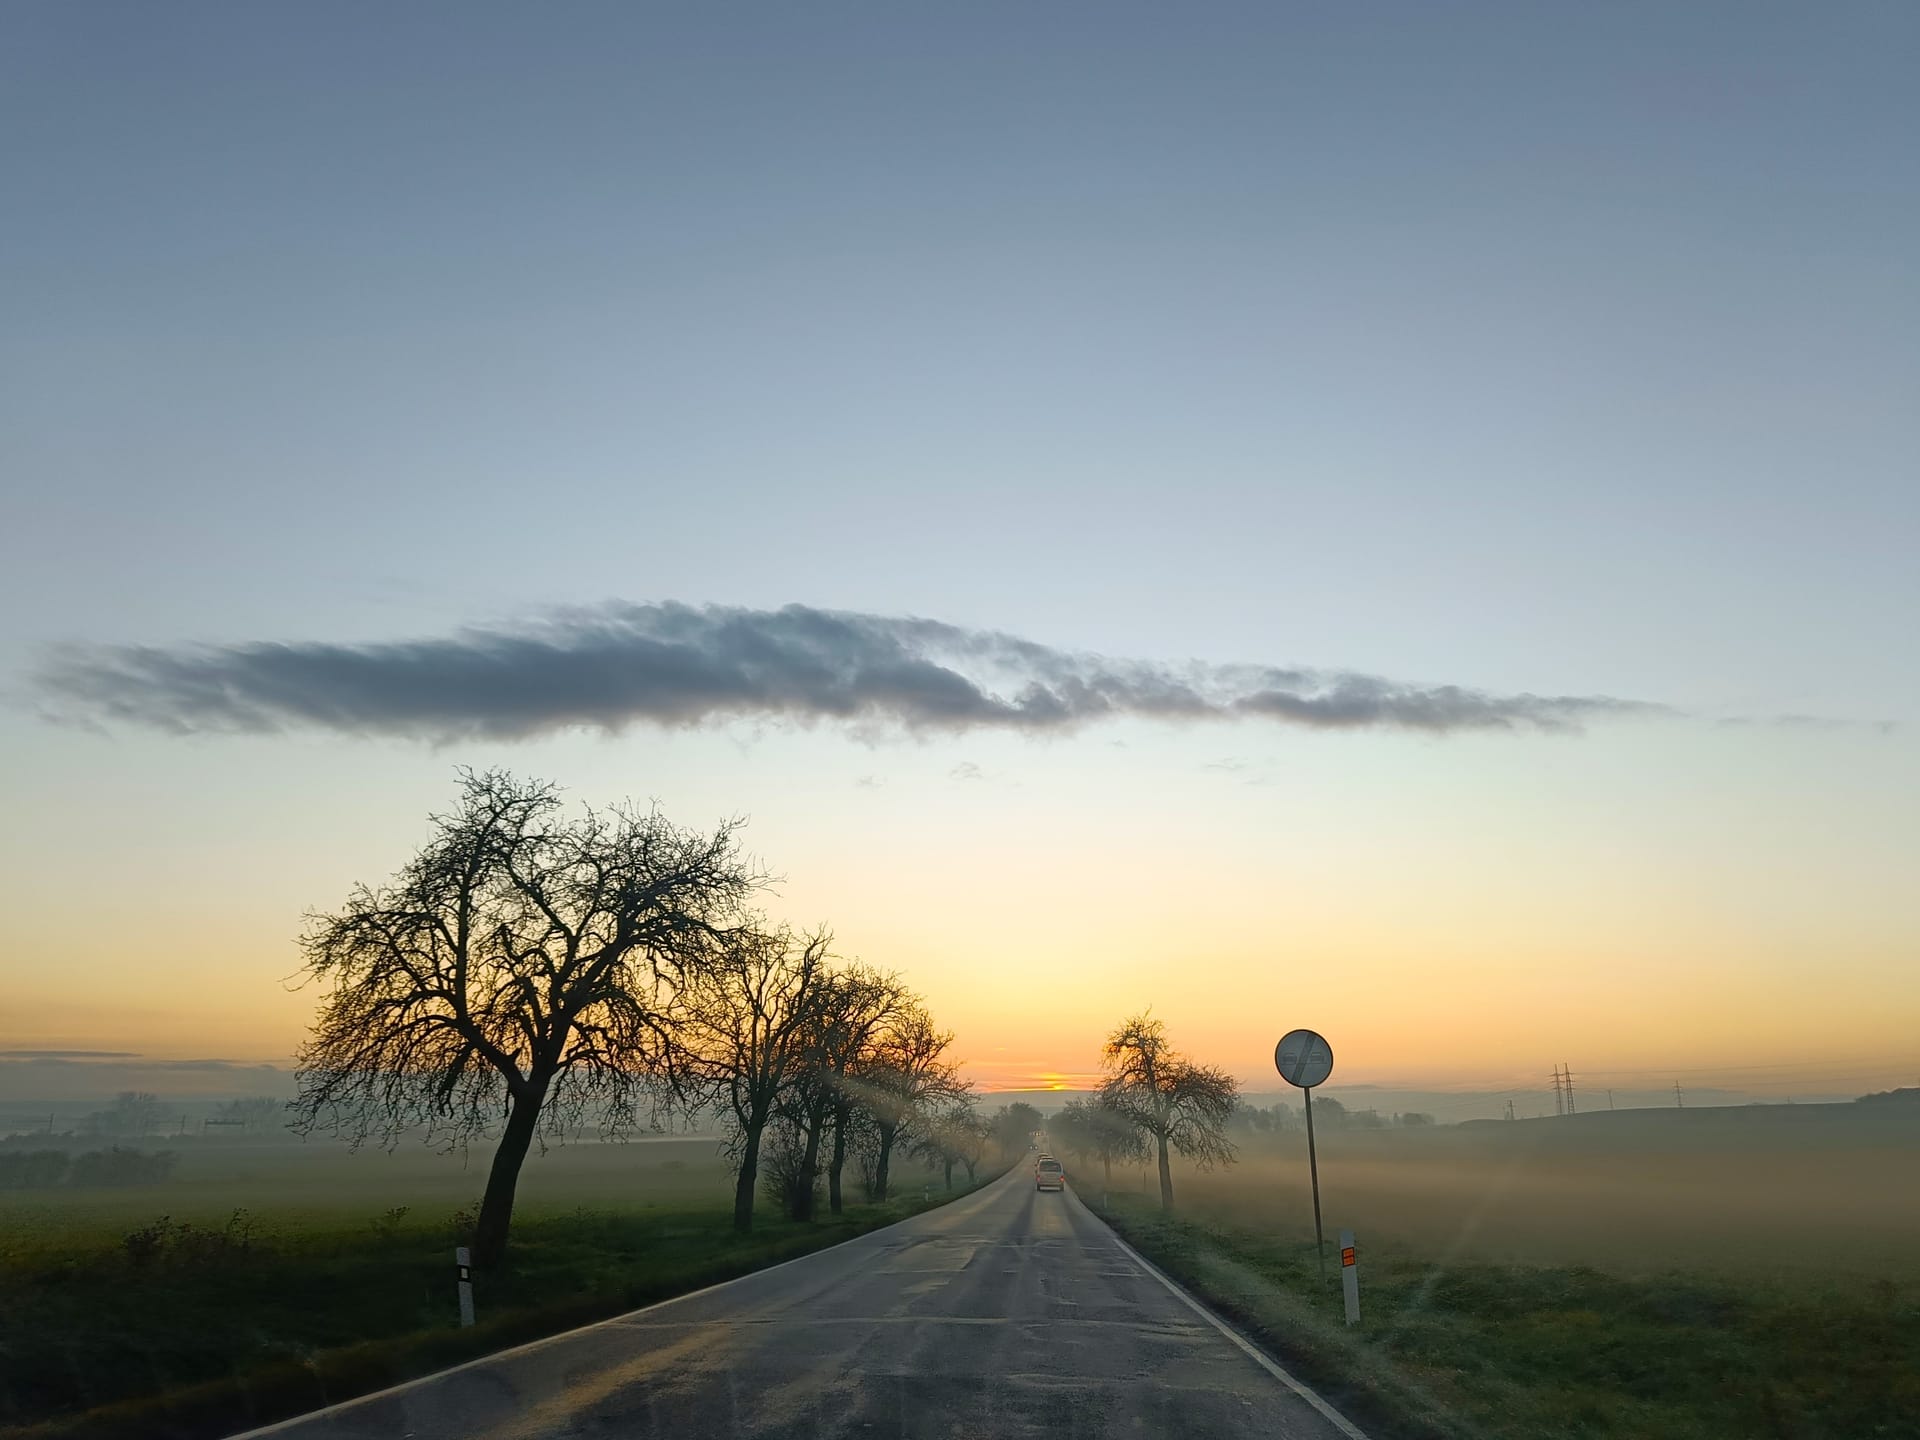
1867,1065
1867,1068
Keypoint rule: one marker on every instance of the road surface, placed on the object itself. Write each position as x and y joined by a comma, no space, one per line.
1006,1313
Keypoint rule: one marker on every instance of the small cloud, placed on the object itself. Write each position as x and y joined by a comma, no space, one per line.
966,770
1795,721
871,782
1230,765
215,1065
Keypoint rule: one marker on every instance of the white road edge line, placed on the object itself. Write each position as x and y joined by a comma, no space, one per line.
1260,1357
279,1427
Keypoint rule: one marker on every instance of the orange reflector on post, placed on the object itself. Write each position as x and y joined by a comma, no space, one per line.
1350,1277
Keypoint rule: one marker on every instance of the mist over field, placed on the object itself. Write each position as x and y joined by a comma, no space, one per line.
1756,1189
1803,1188
1475,1237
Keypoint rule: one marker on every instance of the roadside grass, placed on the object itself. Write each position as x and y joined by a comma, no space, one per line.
183,1331
1501,1351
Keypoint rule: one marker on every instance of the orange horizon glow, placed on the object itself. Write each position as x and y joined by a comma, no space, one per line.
1429,962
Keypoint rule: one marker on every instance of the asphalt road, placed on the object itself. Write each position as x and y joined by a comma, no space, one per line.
1006,1313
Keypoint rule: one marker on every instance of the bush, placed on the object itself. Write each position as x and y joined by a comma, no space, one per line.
121,1167
463,1222
192,1245
32,1169
387,1224
784,1174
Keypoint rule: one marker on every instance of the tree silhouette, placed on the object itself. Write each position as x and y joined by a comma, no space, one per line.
852,1005
1090,1130
903,1082
954,1134
254,1112
739,1035
517,968
1174,1103
1013,1128
133,1112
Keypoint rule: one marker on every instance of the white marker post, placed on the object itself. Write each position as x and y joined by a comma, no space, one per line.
1350,1276
463,1262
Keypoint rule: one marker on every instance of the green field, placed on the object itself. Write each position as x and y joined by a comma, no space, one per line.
1666,1275
336,1277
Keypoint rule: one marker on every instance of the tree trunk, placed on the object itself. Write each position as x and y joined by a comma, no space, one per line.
1166,1175
970,1166
749,1174
802,1208
839,1160
496,1207
1107,1162
949,1160
881,1166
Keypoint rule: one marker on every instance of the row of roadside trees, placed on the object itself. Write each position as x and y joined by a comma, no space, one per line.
534,969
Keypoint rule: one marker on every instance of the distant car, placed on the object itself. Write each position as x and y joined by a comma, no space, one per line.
1049,1175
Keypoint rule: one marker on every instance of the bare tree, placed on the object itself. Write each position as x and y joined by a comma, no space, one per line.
513,971
972,1145
854,1002
953,1134
1090,1130
902,1082
1174,1103
1013,1127
740,1032
254,1112
133,1112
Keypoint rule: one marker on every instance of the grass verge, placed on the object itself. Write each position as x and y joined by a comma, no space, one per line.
1500,1352
192,1333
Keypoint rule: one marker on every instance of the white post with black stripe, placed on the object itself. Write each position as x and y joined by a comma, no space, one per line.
463,1263
1350,1276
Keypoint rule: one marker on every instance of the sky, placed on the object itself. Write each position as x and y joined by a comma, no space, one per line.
1397,519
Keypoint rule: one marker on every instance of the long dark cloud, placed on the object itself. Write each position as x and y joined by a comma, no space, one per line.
679,665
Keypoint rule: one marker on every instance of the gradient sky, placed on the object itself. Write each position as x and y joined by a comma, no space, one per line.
1534,348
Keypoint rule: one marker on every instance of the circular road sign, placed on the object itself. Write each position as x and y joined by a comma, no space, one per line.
1303,1058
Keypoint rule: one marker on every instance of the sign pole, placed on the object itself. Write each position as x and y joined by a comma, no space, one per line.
1313,1169
1304,1060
